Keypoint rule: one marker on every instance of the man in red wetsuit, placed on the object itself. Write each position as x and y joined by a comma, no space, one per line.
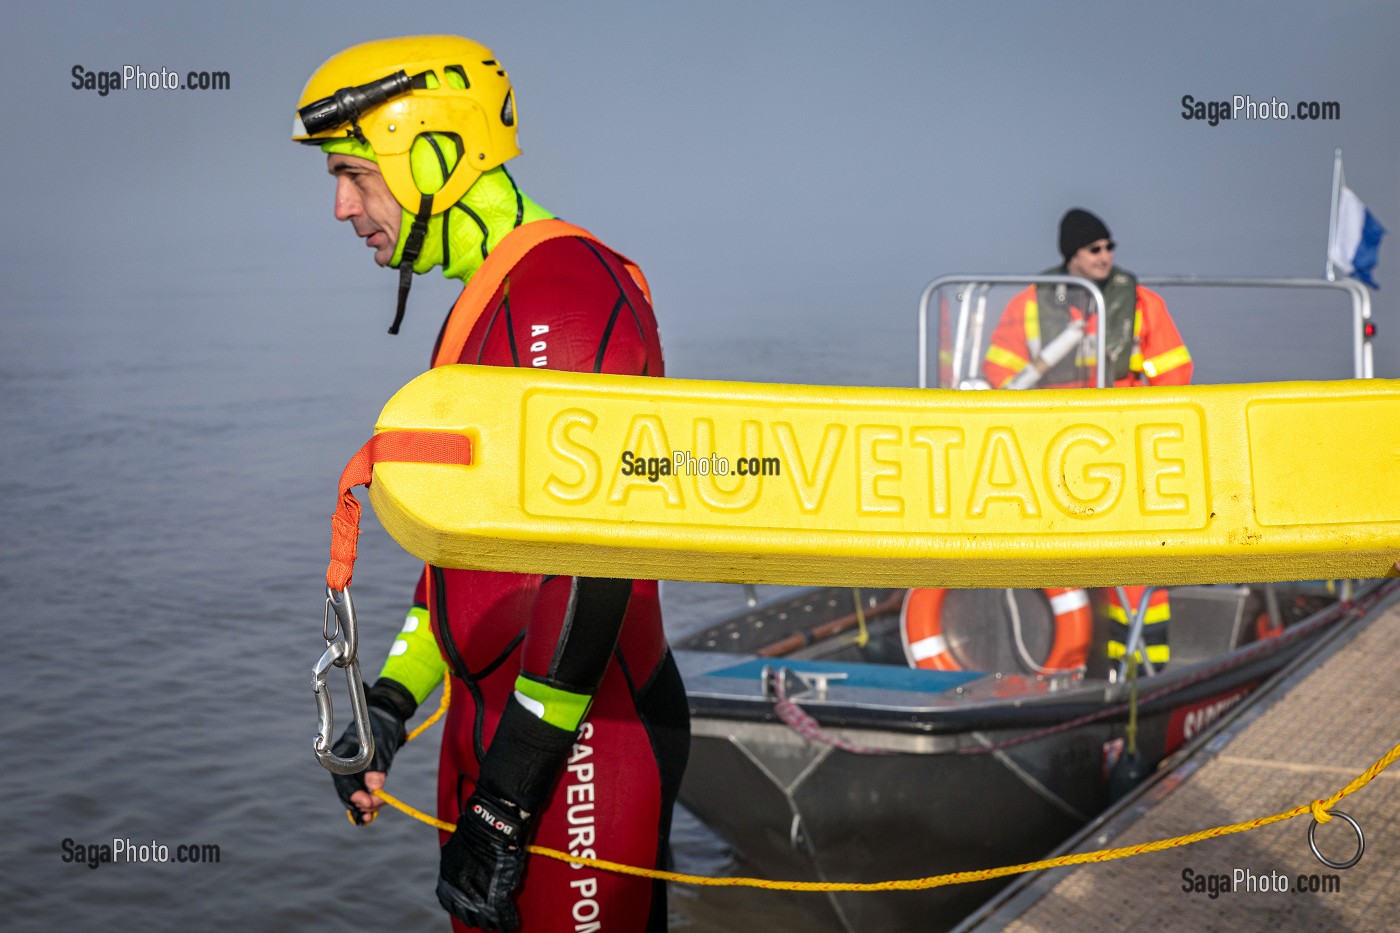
568,725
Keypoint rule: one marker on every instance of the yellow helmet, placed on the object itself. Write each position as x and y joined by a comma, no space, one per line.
389,92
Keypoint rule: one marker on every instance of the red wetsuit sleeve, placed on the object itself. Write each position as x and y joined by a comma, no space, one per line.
420,592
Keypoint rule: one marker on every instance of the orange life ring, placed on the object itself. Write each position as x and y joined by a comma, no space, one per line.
921,630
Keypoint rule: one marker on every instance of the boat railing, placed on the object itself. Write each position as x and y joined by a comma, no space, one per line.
972,298
972,318
1362,363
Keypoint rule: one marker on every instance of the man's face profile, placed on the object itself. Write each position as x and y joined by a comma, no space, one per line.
362,198
1093,261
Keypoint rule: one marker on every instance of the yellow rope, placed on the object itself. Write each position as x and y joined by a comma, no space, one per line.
419,815
1318,808
419,730
863,637
442,709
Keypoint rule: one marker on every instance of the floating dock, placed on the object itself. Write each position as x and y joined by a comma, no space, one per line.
1303,738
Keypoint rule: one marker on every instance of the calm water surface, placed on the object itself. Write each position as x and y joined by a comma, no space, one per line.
170,465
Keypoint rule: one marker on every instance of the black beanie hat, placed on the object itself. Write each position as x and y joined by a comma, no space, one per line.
1079,228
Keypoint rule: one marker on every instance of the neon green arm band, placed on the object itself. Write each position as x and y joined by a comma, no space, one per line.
557,707
414,659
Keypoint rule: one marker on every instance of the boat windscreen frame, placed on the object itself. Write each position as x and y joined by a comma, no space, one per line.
980,284
1363,364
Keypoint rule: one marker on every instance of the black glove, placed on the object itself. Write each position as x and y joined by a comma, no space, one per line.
484,859
389,705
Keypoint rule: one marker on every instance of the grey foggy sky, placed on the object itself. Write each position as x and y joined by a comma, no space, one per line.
771,165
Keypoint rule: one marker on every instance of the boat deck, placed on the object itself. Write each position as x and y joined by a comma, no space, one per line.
1308,737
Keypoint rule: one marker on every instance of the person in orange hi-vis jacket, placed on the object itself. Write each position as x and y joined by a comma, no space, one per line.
1143,346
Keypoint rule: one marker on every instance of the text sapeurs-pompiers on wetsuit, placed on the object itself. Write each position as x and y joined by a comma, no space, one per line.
566,707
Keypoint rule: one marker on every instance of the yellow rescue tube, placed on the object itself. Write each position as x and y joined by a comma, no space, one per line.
726,481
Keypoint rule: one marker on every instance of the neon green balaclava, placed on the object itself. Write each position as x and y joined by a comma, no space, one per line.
459,238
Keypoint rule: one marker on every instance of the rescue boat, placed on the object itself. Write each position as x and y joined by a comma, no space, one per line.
873,734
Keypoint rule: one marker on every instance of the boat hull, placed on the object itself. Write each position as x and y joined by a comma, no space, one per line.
963,775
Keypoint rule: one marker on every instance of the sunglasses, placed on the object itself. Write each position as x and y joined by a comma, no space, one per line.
1099,248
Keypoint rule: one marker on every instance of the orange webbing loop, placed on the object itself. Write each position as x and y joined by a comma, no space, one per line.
385,447
493,271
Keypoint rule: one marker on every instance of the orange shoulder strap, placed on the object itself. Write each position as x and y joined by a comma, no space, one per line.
493,271
384,447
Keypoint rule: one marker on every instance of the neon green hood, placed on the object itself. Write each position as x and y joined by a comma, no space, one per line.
459,238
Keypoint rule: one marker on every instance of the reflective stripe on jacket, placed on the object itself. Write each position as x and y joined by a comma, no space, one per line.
1159,356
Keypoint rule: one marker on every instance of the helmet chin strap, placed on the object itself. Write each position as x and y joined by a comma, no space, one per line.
411,248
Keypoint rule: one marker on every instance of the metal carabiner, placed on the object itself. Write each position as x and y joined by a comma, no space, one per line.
339,603
334,657
342,644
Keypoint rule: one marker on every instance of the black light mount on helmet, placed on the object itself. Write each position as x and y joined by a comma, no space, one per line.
346,104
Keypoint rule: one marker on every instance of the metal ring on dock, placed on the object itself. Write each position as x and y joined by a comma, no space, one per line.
1360,843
